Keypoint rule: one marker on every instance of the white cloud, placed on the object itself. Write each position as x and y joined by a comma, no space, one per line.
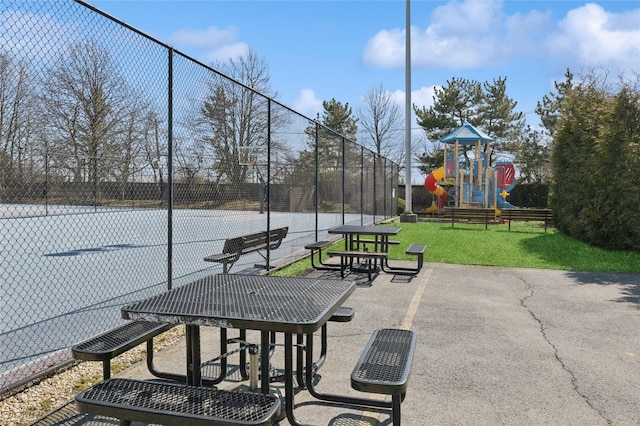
211,38
471,34
423,97
461,35
591,36
307,103
226,52
215,45
385,49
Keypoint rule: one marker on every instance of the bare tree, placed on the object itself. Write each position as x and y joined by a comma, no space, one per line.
16,118
155,150
236,116
89,109
382,121
130,151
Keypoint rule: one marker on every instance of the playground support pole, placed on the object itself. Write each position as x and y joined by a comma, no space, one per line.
461,185
495,193
458,172
480,165
471,181
486,186
445,162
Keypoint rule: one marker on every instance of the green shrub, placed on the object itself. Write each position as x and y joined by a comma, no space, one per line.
401,205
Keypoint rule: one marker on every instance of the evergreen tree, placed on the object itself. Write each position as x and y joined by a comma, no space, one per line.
453,105
532,156
573,159
339,118
337,122
614,216
485,106
498,117
549,109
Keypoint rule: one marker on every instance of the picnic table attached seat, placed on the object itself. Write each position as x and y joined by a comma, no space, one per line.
177,404
384,366
414,250
317,246
108,345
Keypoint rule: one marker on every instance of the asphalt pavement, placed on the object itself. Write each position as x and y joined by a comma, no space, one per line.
495,346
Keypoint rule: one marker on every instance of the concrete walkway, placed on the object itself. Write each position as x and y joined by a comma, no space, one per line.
496,346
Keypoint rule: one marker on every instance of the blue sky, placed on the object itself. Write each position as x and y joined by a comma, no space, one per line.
318,50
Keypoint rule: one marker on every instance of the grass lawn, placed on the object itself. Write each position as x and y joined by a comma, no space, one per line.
526,246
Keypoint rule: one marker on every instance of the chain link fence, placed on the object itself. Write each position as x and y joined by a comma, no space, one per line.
124,162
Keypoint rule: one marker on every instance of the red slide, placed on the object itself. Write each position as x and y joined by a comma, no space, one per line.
432,186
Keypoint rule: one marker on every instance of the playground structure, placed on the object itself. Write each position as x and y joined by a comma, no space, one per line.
474,184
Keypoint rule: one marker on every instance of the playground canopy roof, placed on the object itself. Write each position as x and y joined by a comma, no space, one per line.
466,135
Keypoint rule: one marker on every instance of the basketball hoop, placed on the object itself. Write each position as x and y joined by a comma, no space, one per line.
246,157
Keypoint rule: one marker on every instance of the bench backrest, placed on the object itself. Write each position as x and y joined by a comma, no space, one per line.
277,235
260,240
234,246
530,213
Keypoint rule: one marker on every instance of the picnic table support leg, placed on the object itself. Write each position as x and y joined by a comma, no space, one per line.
106,369
323,349
300,360
265,347
161,374
243,355
288,378
315,365
313,265
223,350
343,266
330,397
194,375
395,410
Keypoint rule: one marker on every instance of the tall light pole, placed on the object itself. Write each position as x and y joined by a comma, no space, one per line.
408,216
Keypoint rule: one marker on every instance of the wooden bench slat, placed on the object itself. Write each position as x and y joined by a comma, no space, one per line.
489,215
169,403
528,215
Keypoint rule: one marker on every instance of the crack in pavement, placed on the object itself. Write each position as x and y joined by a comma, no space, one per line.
574,379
